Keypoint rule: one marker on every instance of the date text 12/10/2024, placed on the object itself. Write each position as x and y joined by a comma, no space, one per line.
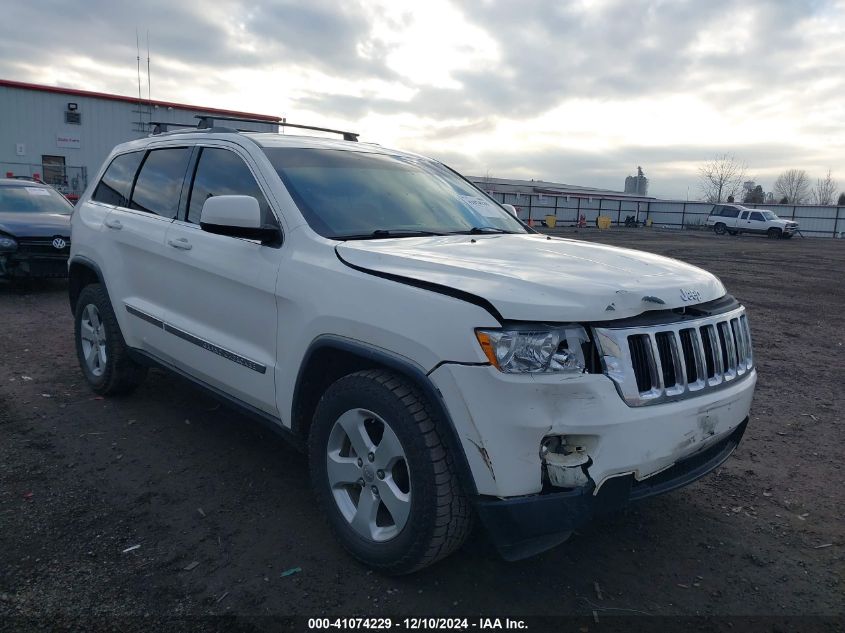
416,624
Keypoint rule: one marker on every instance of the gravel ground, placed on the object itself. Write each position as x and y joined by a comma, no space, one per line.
166,504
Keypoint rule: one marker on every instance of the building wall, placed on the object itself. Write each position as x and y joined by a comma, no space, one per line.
35,120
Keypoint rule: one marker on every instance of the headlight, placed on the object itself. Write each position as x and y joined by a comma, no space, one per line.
535,349
8,244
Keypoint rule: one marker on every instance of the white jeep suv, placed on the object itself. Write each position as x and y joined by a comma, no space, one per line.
439,361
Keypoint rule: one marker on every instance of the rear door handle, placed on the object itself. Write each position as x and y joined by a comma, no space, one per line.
113,224
180,243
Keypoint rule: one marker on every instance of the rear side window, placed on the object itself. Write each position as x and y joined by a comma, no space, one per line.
223,173
159,183
730,212
744,215
116,184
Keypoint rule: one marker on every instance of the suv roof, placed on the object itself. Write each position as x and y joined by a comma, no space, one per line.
264,140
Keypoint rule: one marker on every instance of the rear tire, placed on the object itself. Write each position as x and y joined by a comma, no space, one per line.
393,502
773,234
100,348
720,228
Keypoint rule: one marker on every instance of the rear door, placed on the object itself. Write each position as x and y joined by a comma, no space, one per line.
220,291
142,191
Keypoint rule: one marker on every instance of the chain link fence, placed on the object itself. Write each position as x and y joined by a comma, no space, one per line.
814,221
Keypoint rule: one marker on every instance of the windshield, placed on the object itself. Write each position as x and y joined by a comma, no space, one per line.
769,215
31,199
358,195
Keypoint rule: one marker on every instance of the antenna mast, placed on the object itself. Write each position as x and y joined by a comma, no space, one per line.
149,92
138,60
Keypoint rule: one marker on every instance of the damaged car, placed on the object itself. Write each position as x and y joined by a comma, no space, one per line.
440,362
34,230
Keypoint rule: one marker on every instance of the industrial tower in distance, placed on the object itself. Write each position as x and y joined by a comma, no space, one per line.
637,184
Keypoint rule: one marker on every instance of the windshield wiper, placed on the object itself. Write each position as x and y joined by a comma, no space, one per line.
478,230
385,233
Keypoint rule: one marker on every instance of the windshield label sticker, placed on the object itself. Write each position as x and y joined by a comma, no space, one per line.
37,191
482,206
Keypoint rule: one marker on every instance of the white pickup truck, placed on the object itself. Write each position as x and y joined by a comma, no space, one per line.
439,361
734,219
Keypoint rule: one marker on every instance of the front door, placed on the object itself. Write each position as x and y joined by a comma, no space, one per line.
220,290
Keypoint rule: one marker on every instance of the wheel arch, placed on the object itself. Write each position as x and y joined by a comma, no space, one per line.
331,357
82,272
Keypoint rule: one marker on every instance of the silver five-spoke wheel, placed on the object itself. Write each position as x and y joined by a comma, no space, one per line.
368,474
93,337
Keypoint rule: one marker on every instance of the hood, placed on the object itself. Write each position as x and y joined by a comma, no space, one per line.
35,224
532,278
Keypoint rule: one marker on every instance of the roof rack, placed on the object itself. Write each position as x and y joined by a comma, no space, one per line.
208,122
347,136
160,127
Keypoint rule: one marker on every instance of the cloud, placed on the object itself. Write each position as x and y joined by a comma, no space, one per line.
579,91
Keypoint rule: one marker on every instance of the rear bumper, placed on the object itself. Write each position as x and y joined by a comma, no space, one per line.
524,526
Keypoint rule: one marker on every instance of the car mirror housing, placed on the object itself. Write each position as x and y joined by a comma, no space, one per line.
236,216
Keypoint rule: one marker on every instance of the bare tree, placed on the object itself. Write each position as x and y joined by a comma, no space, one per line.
721,177
794,185
825,190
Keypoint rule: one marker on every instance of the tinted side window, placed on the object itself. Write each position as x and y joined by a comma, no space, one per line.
730,212
756,215
743,215
116,184
223,173
159,183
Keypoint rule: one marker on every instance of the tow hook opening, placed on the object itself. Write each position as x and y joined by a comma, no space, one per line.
565,462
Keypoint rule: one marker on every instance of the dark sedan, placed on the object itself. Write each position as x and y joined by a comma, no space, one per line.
34,230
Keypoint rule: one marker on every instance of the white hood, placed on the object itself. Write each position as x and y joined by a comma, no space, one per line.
532,278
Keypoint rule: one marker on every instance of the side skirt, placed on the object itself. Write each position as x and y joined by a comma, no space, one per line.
268,421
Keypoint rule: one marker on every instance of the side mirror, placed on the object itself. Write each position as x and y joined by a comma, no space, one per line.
236,216
512,209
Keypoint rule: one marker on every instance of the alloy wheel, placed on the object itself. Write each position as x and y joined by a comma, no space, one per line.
93,335
368,475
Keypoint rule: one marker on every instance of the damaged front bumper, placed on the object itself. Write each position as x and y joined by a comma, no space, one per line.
524,526
21,265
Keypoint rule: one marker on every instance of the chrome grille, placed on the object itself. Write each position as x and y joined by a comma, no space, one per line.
656,363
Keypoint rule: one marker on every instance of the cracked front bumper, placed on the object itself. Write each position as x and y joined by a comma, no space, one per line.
524,526
634,452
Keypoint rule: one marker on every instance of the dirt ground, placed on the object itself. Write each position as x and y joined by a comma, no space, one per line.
220,508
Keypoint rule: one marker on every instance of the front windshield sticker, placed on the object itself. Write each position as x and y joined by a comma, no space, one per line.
482,206
37,191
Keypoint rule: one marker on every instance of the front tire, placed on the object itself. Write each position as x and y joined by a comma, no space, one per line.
773,234
100,348
383,475
720,228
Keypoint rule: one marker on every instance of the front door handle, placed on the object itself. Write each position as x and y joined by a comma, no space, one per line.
180,243
113,224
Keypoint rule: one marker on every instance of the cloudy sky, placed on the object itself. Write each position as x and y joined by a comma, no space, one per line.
575,91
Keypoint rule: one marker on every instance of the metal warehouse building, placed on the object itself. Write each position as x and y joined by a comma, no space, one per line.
62,135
